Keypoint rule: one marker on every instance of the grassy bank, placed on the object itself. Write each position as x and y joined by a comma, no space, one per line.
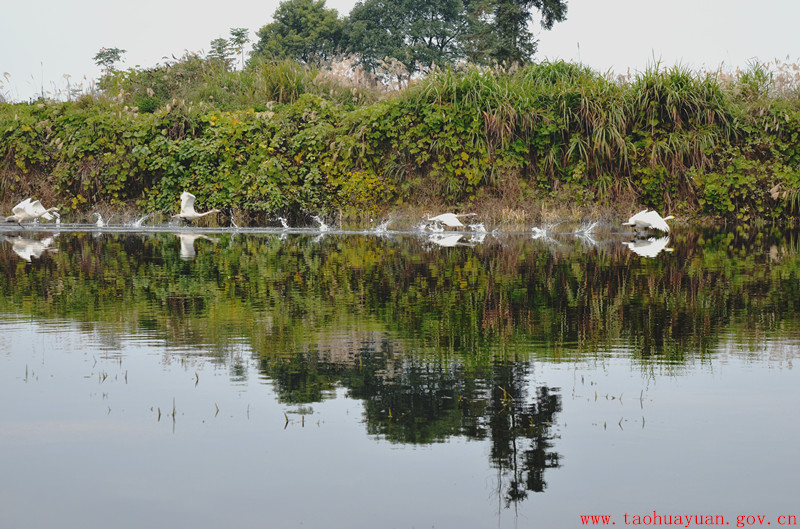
281,139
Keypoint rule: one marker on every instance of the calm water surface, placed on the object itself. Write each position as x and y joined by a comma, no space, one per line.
342,380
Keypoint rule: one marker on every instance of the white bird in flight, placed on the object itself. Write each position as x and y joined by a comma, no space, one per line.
645,220
30,210
187,208
451,219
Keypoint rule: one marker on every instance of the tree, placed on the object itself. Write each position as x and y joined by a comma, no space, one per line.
106,58
424,33
239,37
376,30
220,51
303,30
419,33
510,40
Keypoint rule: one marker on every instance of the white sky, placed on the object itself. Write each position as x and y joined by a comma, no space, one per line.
42,41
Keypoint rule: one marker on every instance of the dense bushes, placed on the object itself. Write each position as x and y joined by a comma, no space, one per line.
282,139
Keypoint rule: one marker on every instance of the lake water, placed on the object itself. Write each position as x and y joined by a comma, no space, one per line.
296,379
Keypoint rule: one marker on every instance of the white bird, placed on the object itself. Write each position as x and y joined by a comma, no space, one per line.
187,208
648,219
650,247
451,219
99,222
30,210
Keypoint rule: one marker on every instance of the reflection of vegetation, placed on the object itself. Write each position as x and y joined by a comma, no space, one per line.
436,344
520,301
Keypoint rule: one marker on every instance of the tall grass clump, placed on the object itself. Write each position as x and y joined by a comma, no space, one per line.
758,174
678,120
211,82
477,131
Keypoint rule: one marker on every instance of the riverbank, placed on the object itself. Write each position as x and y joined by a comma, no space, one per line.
543,143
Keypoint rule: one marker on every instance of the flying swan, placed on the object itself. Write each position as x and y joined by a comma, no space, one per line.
187,208
645,220
451,219
28,210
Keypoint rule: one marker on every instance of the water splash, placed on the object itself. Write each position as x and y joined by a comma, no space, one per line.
138,222
586,230
540,233
585,233
382,227
322,225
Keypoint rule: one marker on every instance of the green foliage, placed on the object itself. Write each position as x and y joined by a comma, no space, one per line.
220,51
239,38
208,83
280,137
513,42
107,57
418,33
303,30
744,189
422,34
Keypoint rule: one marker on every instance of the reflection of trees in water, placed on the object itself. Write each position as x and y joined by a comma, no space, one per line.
277,293
299,304
522,436
409,399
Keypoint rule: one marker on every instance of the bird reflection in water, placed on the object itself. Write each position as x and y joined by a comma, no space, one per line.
187,244
29,248
649,247
449,240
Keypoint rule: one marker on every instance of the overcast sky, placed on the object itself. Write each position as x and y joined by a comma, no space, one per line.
42,42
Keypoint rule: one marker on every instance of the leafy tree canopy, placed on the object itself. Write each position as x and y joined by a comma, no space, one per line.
221,51
106,57
303,30
239,37
512,41
424,33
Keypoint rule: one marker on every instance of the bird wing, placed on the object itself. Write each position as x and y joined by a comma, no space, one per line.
656,222
187,202
634,219
22,207
449,219
36,209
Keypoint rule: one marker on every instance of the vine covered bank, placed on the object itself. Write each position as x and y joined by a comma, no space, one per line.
282,139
